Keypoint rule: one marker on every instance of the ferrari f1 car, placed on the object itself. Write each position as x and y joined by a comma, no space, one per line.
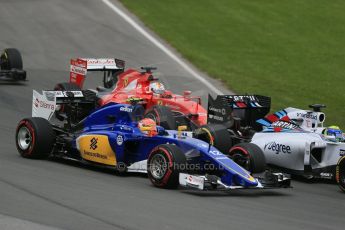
11,64
131,86
117,136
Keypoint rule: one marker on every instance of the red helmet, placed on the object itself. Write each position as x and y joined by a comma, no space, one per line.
148,126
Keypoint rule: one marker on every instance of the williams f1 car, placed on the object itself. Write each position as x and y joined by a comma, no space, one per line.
11,65
293,140
131,86
117,136
296,141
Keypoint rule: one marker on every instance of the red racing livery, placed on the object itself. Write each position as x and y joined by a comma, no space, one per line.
132,86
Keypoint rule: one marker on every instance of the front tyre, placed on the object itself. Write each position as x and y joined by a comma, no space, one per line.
340,173
249,156
164,165
35,137
67,86
11,59
216,135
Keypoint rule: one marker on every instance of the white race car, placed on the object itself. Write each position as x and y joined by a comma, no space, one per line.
292,140
296,141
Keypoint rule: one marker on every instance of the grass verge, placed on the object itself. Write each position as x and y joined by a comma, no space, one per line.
291,50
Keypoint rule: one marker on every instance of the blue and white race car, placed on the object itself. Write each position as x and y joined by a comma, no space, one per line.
118,136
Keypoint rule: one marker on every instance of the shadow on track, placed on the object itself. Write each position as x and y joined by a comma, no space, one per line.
96,168
230,193
238,193
312,180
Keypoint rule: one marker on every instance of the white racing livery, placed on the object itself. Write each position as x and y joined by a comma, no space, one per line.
296,141
44,105
79,67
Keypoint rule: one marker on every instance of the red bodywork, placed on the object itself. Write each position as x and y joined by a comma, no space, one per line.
134,84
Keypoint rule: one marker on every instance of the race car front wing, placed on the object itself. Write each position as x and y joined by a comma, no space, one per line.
13,75
266,180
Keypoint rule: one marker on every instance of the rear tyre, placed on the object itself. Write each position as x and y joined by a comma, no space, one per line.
35,137
164,164
11,59
67,86
64,86
163,116
138,112
216,135
340,173
249,156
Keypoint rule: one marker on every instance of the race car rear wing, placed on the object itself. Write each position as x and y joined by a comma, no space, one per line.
247,108
80,66
46,103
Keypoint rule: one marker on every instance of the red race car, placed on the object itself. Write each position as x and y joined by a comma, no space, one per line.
139,87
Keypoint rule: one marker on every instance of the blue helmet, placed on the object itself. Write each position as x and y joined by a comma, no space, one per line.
334,131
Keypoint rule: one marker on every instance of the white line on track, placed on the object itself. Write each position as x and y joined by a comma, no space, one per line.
161,46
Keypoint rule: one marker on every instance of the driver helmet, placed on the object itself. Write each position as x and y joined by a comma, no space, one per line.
333,132
157,87
148,127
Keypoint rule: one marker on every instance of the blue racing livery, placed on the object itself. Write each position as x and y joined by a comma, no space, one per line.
97,124
118,136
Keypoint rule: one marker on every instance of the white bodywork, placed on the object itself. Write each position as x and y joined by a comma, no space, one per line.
299,151
44,105
306,119
305,151
101,63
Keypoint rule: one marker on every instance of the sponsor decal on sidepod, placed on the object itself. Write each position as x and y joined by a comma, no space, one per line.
277,148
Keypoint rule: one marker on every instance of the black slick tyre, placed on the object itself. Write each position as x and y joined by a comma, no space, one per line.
164,164
64,86
67,86
35,137
11,59
340,173
216,135
249,156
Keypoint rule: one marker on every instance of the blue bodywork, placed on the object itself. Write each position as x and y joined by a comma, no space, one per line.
116,120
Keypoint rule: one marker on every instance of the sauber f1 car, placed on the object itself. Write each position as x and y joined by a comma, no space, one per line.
117,136
296,141
131,86
11,65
